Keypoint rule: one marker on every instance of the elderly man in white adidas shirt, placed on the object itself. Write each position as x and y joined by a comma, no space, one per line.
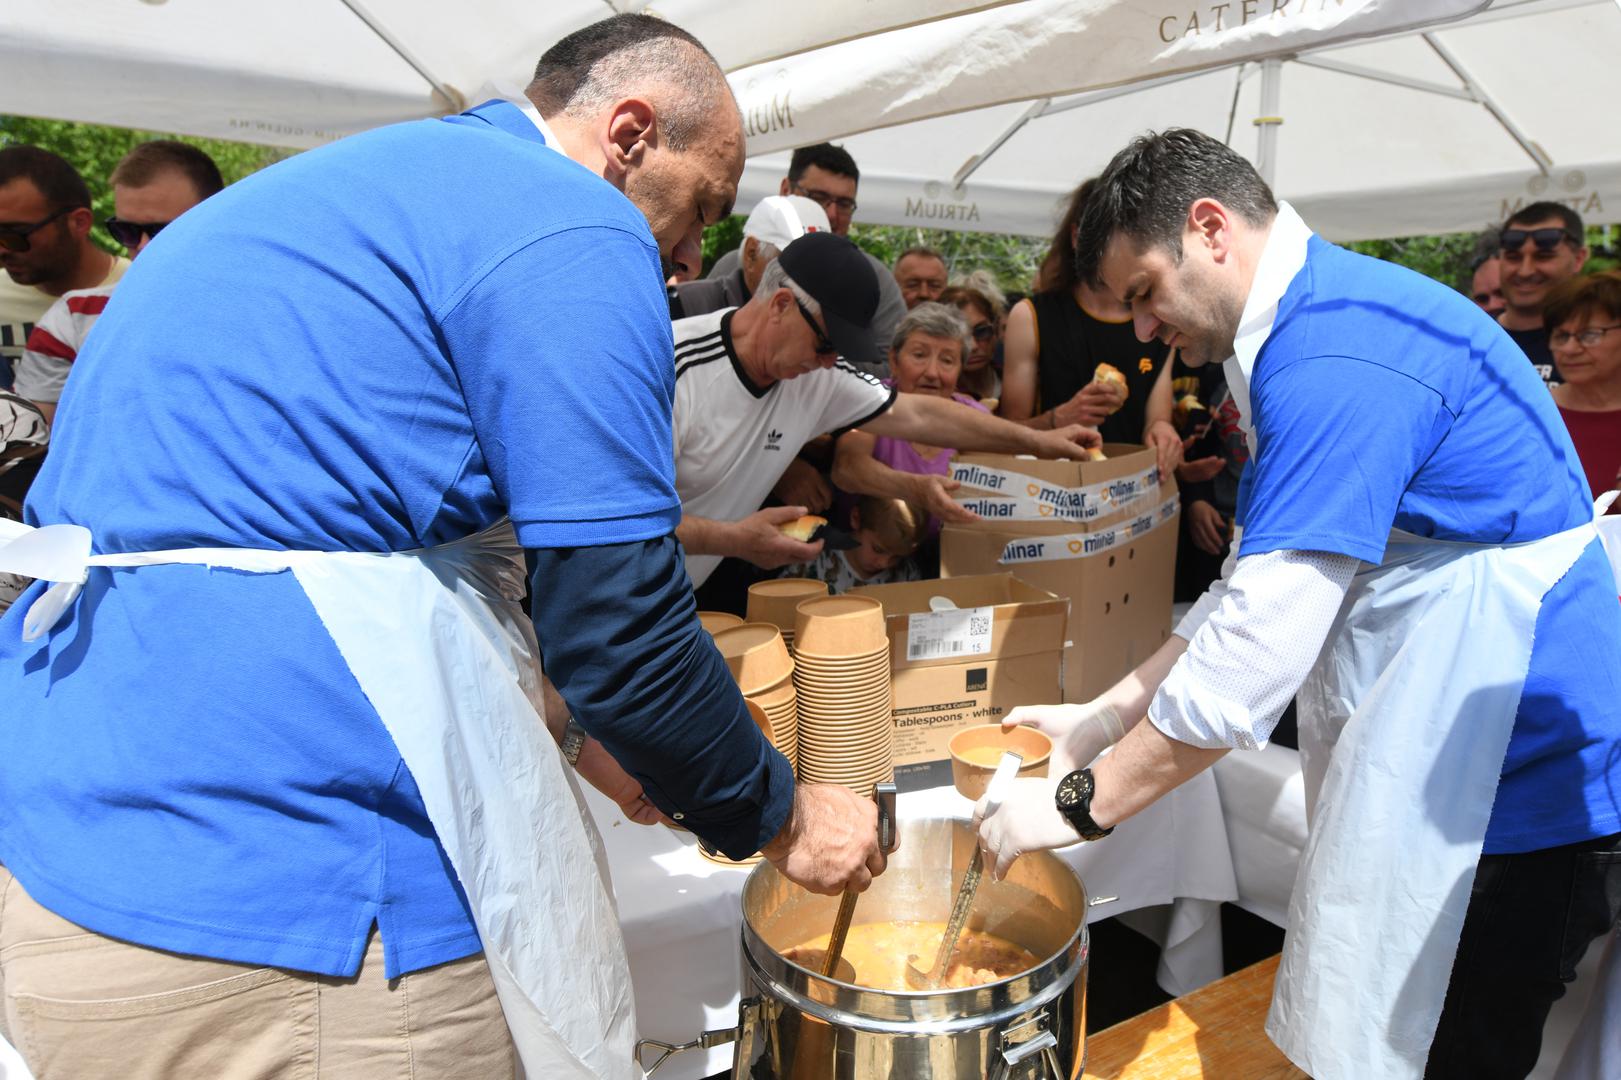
754,383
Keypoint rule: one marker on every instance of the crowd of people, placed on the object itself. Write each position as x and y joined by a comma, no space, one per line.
948,332
293,381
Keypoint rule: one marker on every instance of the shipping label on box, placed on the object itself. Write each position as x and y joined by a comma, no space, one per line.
941,635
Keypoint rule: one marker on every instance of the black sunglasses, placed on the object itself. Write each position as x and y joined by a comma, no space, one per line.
1544,239
14,238
824,347
129,233
984,331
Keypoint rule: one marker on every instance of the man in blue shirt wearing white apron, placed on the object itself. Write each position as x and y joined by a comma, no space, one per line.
276,797
1418,562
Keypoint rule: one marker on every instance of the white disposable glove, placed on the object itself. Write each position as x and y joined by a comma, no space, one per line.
1026,820
1079,732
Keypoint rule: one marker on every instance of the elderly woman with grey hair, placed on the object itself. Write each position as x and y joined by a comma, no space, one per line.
926,357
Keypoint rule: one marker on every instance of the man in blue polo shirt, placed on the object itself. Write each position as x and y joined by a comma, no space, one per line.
271,789
1418,561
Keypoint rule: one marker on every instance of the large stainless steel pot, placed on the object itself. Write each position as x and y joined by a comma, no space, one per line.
803,1026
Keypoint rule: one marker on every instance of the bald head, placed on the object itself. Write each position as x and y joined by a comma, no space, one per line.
643,104
635,56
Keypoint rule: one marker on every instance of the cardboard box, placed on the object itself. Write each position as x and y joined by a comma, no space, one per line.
1003,647
1110,551
1056,496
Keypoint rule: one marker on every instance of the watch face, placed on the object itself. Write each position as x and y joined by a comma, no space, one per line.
1070,790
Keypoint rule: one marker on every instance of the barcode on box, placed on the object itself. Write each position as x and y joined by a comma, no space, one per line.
936,635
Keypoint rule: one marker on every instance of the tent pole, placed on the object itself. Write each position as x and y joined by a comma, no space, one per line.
1528,144
1266,156
453,100
972,165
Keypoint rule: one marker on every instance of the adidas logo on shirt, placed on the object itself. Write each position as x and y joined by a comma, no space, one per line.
773,440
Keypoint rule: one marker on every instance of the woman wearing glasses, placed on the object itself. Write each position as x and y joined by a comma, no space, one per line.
983,311
1584,319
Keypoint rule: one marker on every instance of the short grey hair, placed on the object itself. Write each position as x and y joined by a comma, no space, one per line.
774,277
981,282
630,56
935,320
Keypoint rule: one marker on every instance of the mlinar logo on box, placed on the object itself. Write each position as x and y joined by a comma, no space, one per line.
1129,488
1099,541
1024,551
974,476
989,508
1064,502
773,440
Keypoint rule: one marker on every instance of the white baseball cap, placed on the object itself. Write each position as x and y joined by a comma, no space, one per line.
779,220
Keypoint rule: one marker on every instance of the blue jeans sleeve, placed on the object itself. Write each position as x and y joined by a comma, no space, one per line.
621,641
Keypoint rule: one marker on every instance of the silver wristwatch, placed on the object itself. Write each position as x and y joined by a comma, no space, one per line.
573,739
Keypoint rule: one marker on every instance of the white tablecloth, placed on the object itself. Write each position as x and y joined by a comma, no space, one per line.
682,914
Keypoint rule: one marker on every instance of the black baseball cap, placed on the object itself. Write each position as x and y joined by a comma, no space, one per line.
843,283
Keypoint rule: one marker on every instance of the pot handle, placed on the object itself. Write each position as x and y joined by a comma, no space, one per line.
748,1012
1044,1044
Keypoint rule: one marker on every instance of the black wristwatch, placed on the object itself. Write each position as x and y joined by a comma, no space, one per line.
1074,799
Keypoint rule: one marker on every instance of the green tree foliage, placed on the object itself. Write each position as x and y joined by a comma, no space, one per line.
1012,260
1448,259
94,149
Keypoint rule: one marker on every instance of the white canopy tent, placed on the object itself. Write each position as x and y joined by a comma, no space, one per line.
937,99
1440,130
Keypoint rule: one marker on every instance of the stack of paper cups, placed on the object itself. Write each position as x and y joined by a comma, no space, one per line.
841,672
760,663
776,601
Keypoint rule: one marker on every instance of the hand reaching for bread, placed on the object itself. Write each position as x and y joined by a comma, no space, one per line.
1092,404
760,539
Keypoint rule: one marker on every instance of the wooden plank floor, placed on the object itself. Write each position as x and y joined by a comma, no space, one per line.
1216,1032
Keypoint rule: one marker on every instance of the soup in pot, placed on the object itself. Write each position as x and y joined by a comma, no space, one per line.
878,953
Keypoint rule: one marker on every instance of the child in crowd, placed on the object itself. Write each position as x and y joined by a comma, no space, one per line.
889,531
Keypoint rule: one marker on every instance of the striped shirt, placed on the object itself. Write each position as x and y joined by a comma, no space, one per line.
734,439
55,341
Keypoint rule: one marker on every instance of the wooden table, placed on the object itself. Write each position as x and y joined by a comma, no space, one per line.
1216,1032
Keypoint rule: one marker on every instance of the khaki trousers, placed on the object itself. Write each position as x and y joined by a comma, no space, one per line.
80,1006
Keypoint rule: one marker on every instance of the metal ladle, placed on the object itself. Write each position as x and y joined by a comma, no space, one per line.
916,979
884,796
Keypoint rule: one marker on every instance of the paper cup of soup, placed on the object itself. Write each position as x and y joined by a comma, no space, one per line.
976,751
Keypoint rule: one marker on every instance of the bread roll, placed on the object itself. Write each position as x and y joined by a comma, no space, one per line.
1110,375
802,529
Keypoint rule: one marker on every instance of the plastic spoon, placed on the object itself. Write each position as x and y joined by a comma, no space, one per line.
1006,770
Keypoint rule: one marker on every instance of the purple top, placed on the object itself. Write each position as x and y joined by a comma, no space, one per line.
900,455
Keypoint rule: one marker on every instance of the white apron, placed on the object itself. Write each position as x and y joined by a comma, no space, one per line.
1404,725
438,644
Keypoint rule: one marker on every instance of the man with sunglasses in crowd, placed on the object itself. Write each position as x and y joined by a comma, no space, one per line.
753,384
827,176
45,246
1543,245
152,185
